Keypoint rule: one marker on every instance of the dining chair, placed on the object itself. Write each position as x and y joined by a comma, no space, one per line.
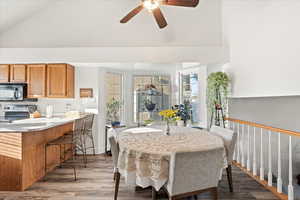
192,173
230,138
115,155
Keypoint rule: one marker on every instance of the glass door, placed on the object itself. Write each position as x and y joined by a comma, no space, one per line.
190,93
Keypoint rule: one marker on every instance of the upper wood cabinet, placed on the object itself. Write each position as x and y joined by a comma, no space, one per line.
18,73
36,79
70,81
4,73
60,81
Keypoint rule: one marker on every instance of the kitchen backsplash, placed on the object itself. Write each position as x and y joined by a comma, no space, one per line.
60,106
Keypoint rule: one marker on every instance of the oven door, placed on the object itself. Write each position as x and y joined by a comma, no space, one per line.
11,92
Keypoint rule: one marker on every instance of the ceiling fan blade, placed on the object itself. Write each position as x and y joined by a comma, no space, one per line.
133,13
184,3
159,17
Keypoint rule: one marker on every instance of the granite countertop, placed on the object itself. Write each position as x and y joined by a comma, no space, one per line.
30,125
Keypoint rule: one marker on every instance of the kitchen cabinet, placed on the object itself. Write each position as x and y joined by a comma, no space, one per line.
23,156
4,73
60,81
18,73
36,79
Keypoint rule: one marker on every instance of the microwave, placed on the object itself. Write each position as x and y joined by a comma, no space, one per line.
13,91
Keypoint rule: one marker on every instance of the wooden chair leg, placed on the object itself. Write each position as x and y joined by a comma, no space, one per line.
154,194
229,177
115,175
214,193
118,176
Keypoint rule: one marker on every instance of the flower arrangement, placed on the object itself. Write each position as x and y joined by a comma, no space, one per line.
184,111
169,116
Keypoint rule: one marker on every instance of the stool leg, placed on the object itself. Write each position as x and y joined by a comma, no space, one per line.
93,144
45,162
75,173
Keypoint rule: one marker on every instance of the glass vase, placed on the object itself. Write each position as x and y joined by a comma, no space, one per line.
168,128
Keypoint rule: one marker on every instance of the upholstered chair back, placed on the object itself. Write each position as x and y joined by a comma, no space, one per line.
229,137
114,151
194,171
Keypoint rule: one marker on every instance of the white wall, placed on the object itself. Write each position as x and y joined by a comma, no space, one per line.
264,44
166,54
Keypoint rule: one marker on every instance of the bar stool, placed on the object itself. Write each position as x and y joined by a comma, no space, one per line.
74,139
88,132
61,142
78,139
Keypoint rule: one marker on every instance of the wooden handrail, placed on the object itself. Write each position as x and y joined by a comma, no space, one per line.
277,130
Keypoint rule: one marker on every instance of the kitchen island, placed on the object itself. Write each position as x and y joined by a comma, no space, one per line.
22,150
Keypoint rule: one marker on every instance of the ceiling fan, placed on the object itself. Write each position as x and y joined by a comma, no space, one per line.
153,6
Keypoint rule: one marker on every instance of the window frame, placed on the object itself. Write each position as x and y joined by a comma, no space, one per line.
122,111
148,75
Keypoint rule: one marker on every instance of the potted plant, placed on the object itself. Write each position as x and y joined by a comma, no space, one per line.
150,106
113,112
184,112
217,94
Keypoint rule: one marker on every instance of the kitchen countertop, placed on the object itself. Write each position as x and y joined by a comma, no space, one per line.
36,124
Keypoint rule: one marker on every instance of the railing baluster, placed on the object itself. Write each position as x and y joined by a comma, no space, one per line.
240,154
270,161
234,152
248,150
262,173
279,180
290,187
242,147
254,153
238,144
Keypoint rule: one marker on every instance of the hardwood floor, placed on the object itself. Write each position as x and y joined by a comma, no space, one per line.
96,183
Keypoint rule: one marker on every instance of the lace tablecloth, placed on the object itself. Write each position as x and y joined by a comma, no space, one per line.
145,152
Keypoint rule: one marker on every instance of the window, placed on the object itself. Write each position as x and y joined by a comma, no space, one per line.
190,92
151,95
114,96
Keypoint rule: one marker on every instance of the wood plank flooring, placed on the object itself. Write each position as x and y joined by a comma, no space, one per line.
95,183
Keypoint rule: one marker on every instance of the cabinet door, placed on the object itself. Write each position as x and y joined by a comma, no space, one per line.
70,81
36,79
4,73
57,80
18,73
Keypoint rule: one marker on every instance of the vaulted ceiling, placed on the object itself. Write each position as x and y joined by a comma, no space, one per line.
95,23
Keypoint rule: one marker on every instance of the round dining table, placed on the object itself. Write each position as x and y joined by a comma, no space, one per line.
145,152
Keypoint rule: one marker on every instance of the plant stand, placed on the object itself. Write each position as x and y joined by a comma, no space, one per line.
218,112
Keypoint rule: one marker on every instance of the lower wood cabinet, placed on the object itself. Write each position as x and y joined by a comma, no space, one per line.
23,157
36,79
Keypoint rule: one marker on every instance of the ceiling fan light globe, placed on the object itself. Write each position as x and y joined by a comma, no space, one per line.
150,4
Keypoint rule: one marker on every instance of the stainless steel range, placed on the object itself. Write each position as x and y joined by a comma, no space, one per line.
16,112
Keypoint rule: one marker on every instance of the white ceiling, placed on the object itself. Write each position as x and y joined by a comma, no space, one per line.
95,23
16,11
